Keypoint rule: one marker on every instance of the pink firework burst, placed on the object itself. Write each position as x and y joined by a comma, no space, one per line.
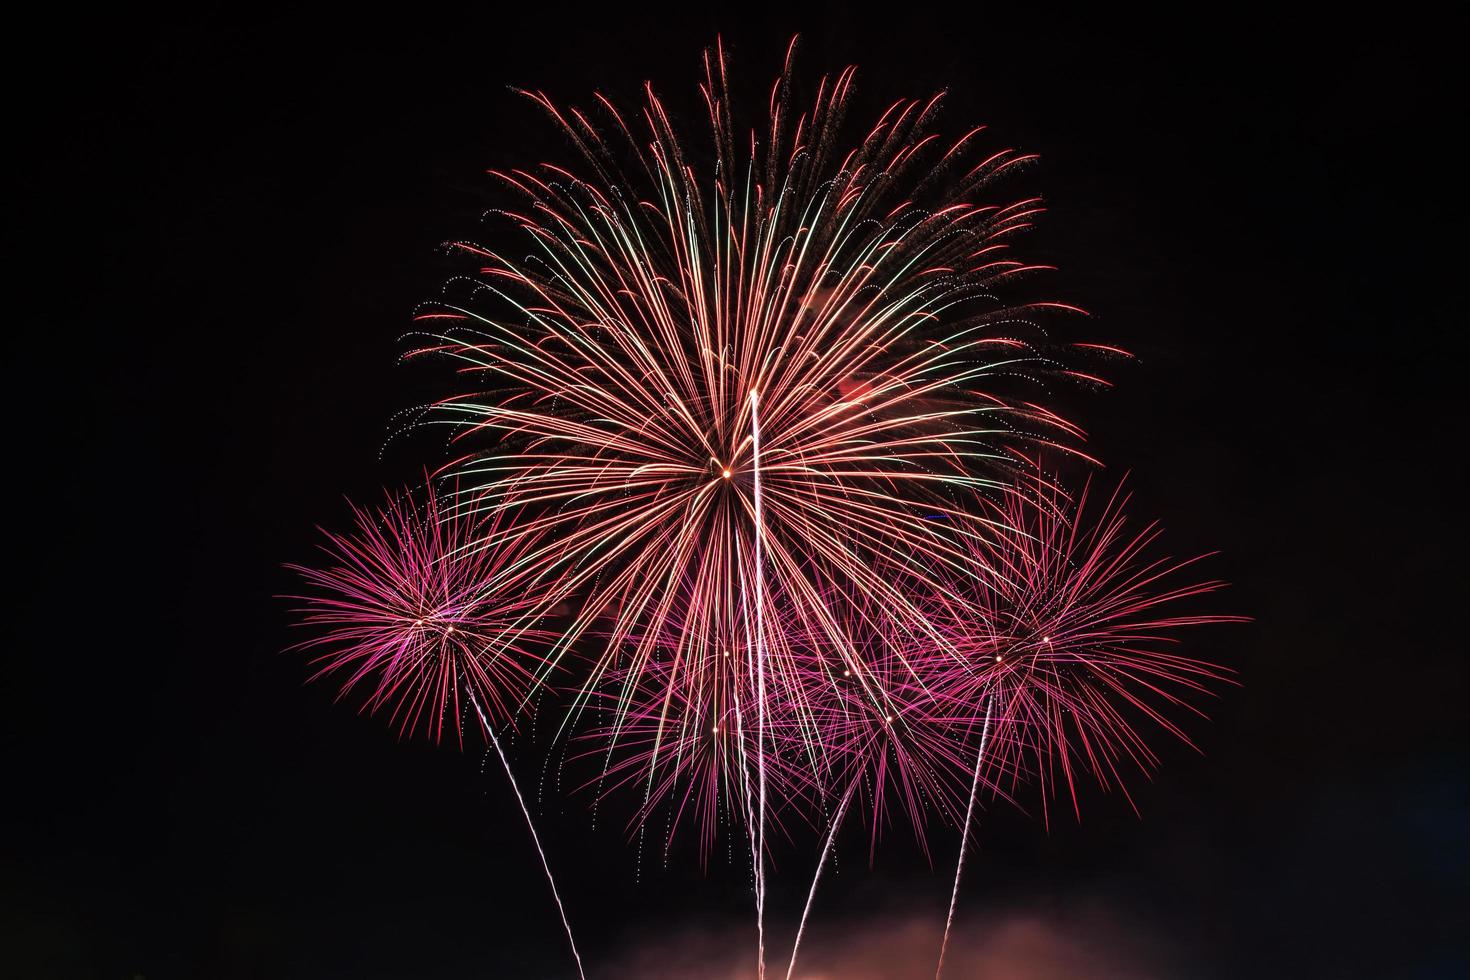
1073,636
411,611
416,610
1067,648
674,722
892,746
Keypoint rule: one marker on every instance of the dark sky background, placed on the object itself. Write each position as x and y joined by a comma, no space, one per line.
227,219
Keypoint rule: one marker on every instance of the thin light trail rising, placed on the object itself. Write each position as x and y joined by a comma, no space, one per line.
965,835
821,863
485,723
760,693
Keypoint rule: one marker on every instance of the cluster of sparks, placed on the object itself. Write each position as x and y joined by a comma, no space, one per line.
400,610
748,479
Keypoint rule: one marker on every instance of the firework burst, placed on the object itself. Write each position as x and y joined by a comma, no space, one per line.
1073,633
835,305
751,418
405,609
408,614
1068,648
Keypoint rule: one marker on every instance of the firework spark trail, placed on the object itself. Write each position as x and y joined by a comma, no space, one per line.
531,826
760,688
750,832
954,895
817,876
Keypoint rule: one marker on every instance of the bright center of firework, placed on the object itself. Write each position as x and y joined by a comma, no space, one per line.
725,474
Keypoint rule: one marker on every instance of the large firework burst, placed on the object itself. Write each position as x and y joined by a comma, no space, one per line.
781,332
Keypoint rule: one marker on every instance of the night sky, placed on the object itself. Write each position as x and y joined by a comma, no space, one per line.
227,219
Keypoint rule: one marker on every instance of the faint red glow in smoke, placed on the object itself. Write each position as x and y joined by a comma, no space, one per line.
1088,944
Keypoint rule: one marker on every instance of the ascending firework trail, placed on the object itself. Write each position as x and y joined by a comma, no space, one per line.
817,876
965,835
531,826
760,690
